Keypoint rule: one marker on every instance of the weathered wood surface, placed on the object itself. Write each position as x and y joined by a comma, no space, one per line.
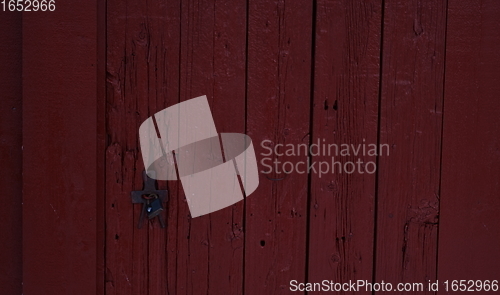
143,42
420,76
411,113
288,72
212,60
345,111
278,110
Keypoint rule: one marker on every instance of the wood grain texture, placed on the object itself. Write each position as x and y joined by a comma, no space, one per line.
345,111
278,110
142,79
59,150
210,247
410,122
469,235
293,72
10,152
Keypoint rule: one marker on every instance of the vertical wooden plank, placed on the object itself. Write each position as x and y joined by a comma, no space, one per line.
278,110
10,152
120,234
411,117
126,246
345,111
162,28
101,148
143,78
59,149
228,105
469,235
210,247
171,89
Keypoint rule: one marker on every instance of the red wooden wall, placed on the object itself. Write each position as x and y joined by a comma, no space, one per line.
470,179
421,76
